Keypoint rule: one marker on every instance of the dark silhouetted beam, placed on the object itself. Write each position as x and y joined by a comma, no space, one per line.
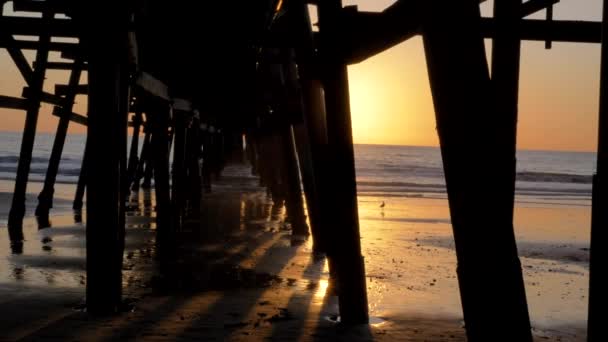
153,86
489,273
77,118
62,89
370,33
45,97
33,26
557,30
598,297
13,102
62,66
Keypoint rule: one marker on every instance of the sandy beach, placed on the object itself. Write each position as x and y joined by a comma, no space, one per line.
244,277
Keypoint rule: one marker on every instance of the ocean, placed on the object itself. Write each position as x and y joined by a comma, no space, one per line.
543,177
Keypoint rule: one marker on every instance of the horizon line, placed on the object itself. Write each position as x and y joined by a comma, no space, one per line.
371,144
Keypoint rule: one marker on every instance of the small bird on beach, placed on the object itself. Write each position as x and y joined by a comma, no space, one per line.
382,205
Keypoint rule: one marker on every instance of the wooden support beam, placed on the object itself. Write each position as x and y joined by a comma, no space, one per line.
489,273
369,33
366,34
153,85
63,66
28,26
159,157
45,198
108,61
74,117
56,100
598,282
133,158
532,6
293,202
62,89
315,131
17,211
556,30
506,51
82,181
13,102
178,171
345,220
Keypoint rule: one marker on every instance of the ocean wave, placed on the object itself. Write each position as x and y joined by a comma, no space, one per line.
15,160
399,184
548,177
42,170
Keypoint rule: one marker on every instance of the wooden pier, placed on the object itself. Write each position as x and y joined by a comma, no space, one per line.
192,81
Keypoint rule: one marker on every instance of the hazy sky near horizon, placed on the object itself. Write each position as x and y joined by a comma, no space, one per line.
391,100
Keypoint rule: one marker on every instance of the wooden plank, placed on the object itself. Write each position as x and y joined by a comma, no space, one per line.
182,104
556,30
153,85
27,26
370,33
45,97
62,89
13,102
77,118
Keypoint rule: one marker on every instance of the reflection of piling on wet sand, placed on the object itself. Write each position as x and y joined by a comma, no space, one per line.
274,83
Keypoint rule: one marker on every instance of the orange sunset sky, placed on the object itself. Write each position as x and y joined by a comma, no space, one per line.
391,100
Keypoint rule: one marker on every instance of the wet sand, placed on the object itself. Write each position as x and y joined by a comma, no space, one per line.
244,277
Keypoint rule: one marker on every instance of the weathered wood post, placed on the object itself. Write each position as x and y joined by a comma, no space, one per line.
159,115
36,82
598,283
489,271
294,202
45,198
133,158
345,227
178,174
107,53
312,136
82,180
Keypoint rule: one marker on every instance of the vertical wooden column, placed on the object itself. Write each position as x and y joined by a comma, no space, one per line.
144,159
489,272
314,129
598,282
45,198
107,52
345,227
179,167
82,180
308,181
133,158
294,202
193,148
36,82
159,119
